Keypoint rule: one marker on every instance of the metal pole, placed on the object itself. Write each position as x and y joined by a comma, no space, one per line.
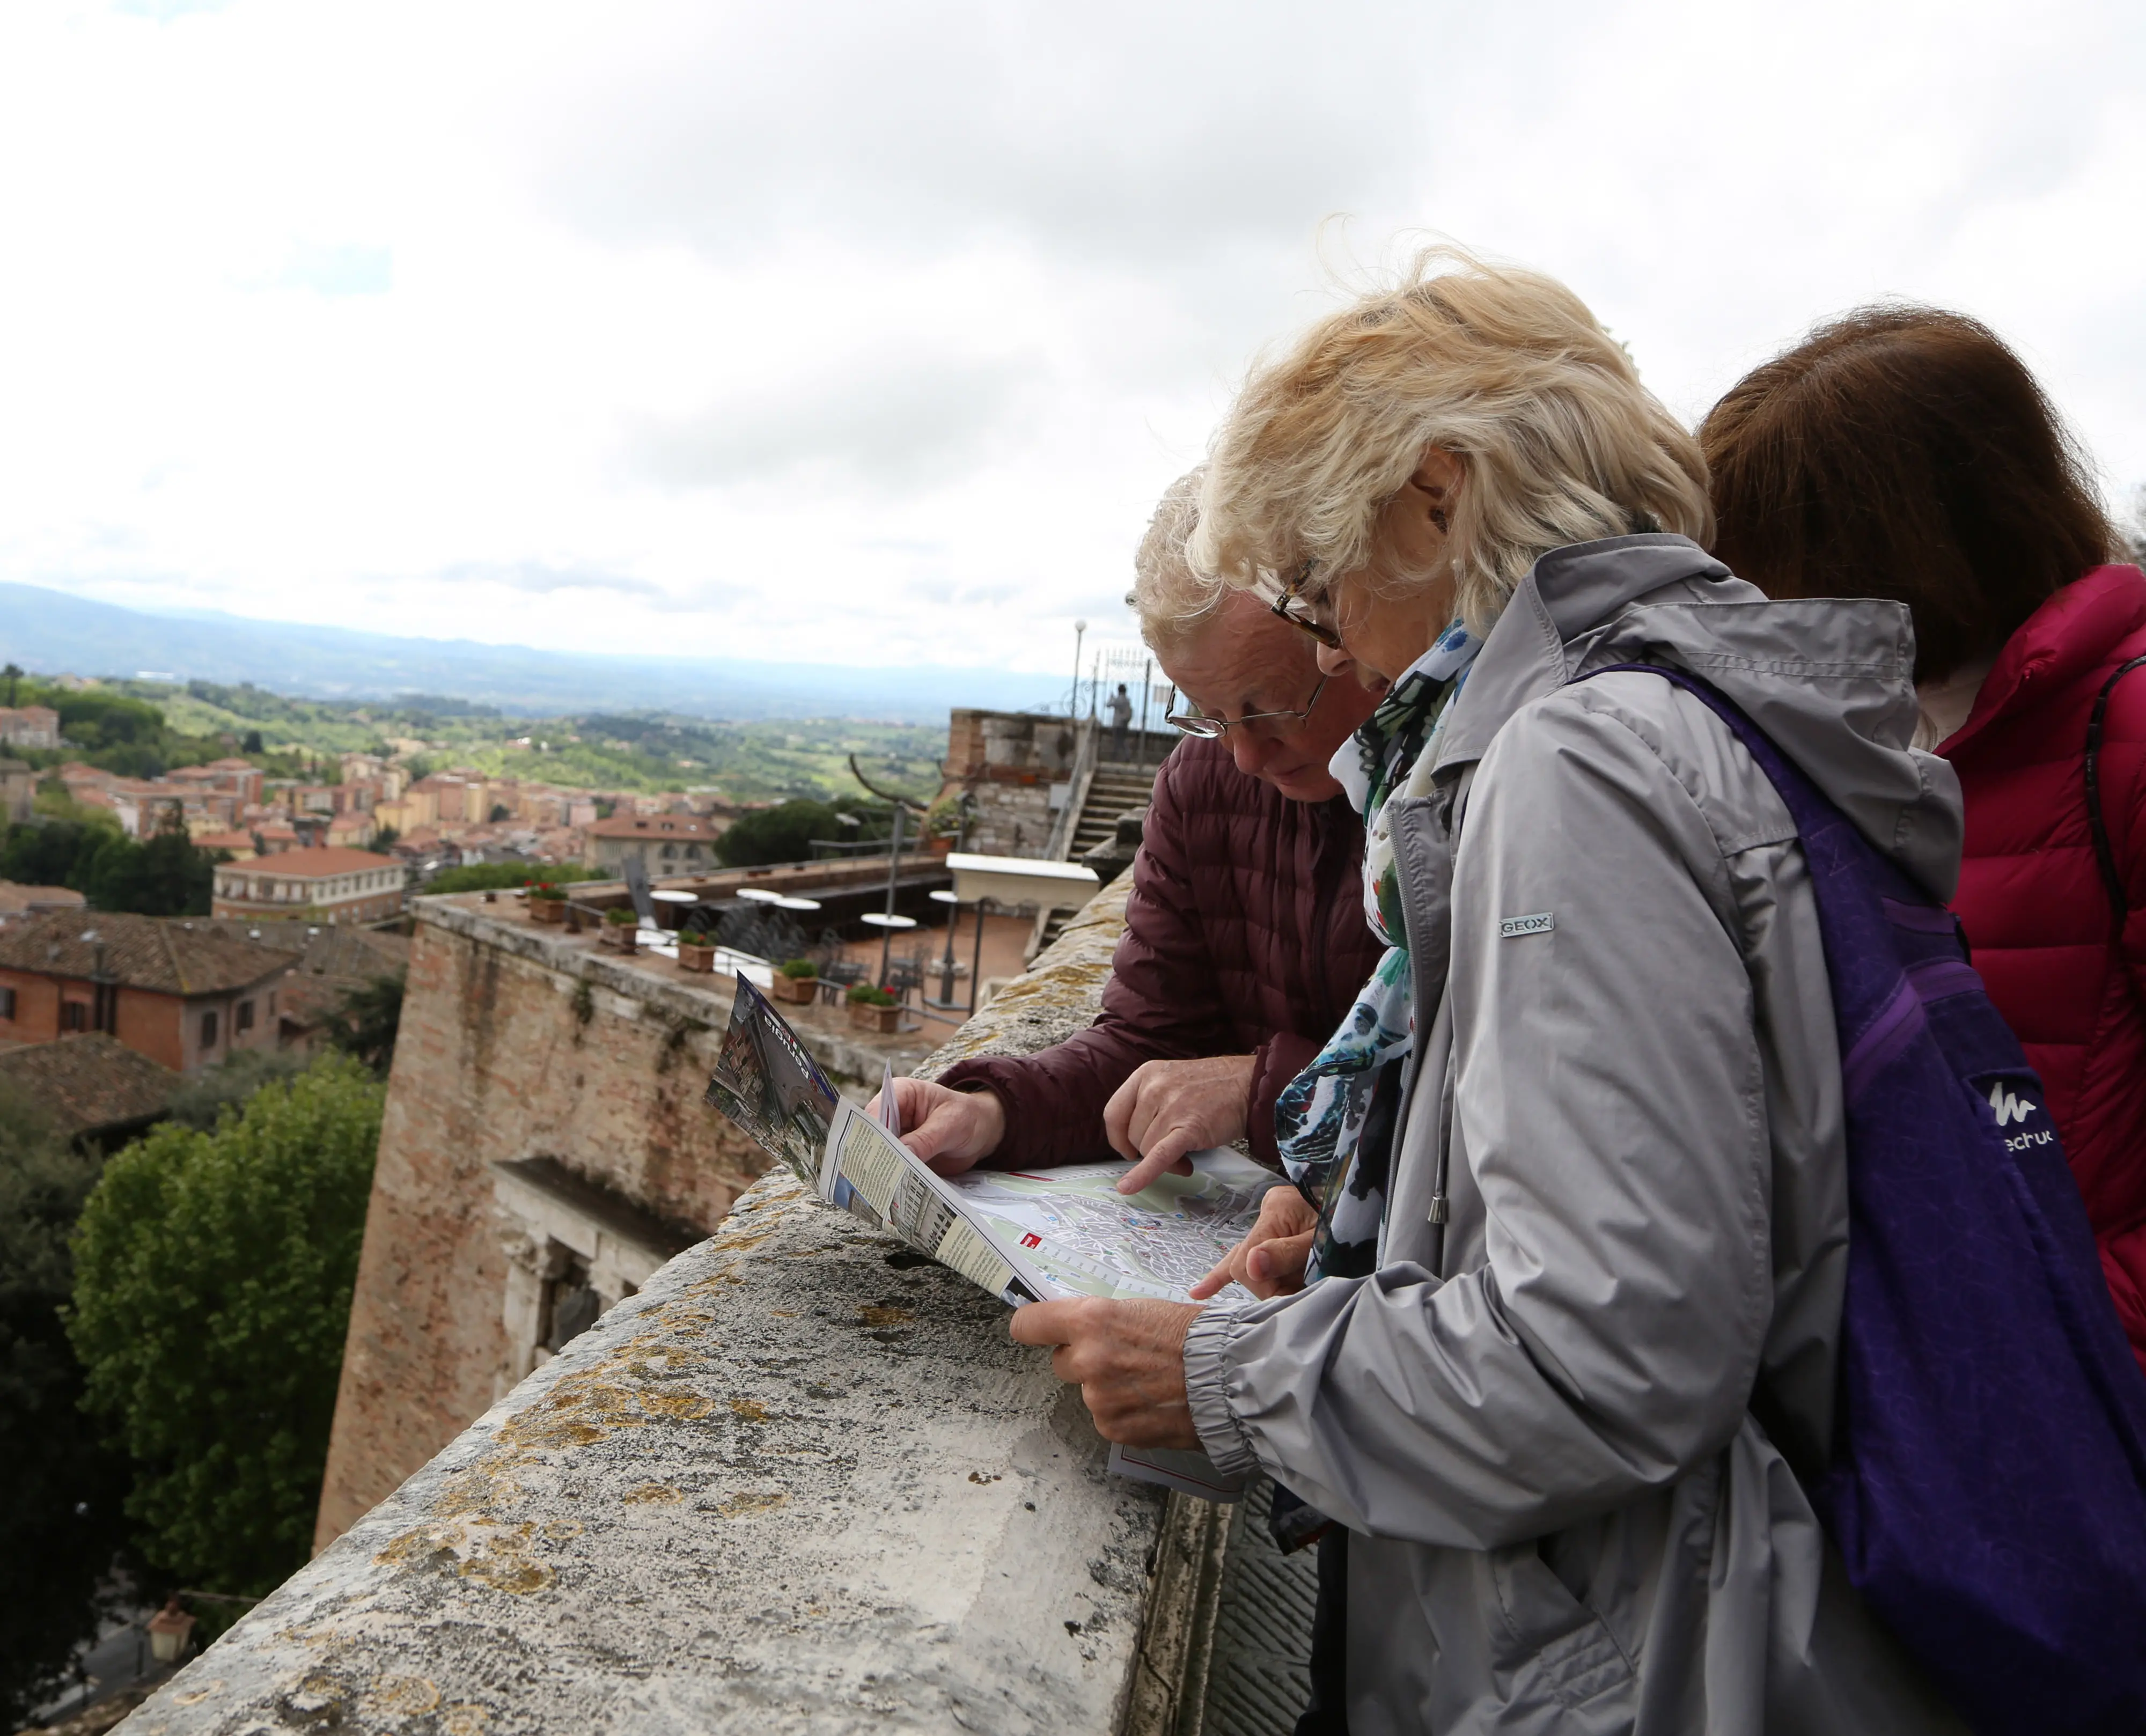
1147,693
893,869
1073,703
947,964
976,963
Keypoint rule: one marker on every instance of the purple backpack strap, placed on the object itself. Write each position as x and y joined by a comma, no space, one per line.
1986,1483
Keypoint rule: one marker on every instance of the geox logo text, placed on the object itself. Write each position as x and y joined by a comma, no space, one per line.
1541,923
2009,1109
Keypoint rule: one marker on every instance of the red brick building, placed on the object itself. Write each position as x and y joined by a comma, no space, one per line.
321,885
185,992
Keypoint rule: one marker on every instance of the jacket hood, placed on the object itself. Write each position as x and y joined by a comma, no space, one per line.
2072,634
1830,680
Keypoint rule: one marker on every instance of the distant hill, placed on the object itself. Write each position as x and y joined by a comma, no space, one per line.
50,631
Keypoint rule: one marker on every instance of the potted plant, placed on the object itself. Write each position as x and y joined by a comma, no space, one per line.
621,928
797,981
874,1009
547,903
696,952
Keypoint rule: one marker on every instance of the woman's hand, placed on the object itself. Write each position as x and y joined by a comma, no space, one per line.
950,1130
1128,1360
1270,1259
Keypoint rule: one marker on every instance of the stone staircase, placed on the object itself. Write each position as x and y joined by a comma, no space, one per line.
1114,789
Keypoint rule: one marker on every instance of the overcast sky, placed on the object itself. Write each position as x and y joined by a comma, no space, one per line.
870,333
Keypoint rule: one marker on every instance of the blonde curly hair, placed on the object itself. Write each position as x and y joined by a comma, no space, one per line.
1505,369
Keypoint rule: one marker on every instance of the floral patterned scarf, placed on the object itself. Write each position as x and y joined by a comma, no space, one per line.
1334,1121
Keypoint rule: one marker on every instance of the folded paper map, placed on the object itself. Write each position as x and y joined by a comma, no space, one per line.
1025,1236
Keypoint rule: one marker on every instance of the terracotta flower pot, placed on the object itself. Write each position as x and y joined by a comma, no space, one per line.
798,990
696,958
885,1019
547,910
619,937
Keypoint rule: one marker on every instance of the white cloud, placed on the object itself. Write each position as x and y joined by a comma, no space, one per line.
871,333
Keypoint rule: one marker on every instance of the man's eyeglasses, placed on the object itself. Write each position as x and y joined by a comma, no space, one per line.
1298,610
1214,728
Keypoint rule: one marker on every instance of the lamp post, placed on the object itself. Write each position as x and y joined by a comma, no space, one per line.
893,870
952,901
1073,703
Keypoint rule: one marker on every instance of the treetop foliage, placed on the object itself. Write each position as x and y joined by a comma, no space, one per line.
784,833
163,875
213,1274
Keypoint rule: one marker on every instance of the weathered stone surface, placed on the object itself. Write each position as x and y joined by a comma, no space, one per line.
802,1482
517,1042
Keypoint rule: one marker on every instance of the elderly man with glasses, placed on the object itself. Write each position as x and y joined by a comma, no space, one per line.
1244,941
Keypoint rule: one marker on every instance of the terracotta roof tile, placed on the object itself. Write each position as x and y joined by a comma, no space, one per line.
88,1083
170,954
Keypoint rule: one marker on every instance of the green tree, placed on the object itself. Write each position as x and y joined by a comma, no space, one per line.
366,1021
12,674
784,833
61,1522
251,744
166,876
200,1102
212,1283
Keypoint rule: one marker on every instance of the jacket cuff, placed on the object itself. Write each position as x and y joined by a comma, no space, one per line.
1207,1346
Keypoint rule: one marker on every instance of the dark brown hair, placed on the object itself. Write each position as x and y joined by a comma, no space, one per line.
1904,452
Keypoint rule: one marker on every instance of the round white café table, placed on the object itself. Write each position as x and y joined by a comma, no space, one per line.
879,919
760,894
666,896
788,903
941,896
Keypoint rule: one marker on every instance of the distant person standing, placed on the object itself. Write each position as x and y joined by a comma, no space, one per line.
1121,717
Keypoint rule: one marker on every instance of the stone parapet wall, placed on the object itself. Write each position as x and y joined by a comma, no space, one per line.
517,1042
803,1481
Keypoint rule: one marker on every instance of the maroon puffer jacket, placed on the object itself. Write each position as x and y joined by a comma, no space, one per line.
2032,901
1244,934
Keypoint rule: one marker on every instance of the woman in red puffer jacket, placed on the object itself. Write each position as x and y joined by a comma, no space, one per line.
1907,453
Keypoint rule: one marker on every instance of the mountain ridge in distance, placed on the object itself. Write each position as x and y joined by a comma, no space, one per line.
51,632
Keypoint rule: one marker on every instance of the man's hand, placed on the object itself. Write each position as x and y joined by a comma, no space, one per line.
1168,1108
1128,1360
1270,1259
950,1130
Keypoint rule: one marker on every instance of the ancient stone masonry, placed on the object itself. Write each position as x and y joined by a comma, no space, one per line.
544,1149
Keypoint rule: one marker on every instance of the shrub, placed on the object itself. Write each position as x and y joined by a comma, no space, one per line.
620,916
801,969
500,876
867,995
546,893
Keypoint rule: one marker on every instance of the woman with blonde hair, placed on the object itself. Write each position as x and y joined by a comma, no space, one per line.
1579,1150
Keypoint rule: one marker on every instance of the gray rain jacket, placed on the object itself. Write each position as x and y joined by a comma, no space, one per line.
1564,1517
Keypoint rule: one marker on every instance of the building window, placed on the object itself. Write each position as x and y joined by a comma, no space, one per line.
74,1015
271,1003
208,1030
245,1020
6,1004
